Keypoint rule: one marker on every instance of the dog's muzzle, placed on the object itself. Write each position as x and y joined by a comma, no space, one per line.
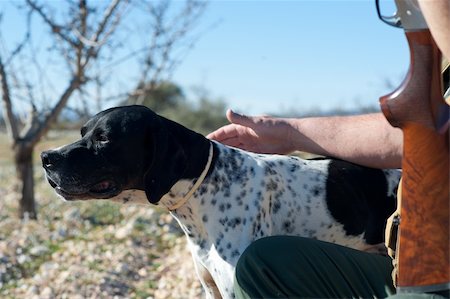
68,186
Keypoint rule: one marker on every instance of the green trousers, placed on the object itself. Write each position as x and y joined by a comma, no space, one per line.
294,267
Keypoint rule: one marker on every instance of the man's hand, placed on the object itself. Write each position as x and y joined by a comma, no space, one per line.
259,134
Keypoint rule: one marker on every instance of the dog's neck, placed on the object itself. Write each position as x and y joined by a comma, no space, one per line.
195,146
199,157
180,194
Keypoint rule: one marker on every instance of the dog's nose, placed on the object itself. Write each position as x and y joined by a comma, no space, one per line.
49,159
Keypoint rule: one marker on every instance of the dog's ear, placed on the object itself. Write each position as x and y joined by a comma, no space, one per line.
169,162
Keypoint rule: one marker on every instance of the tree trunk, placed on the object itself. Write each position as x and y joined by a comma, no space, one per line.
24,168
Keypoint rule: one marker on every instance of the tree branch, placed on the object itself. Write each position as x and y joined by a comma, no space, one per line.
10,119
79,48
57,29
95,39
33,136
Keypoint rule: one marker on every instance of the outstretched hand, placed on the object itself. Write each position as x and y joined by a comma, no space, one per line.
259,134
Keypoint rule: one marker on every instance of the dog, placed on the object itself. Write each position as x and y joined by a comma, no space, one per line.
222,197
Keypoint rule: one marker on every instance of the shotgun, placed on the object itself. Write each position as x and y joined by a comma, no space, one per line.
419,109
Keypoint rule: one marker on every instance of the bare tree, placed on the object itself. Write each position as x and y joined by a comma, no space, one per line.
79,40
87,43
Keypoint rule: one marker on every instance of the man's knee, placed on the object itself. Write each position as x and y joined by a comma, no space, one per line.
269,250
260,269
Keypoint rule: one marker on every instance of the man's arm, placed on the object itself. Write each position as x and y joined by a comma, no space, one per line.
363,139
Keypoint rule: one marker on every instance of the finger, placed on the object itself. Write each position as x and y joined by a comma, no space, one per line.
223,133
233,141
216,135
221,136
240,119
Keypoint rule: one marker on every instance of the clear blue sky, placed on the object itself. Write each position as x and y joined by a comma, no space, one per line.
283,56
278,56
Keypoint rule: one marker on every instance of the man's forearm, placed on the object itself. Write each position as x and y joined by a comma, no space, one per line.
363,139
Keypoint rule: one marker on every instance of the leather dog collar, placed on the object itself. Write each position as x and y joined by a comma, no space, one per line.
197,183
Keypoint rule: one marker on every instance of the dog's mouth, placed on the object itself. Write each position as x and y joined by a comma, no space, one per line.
104,188
101,190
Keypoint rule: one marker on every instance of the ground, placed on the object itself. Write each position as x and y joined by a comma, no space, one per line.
95,249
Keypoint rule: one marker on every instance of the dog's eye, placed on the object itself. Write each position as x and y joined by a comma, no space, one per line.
101,138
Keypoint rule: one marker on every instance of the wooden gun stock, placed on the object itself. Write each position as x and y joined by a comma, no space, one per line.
418,108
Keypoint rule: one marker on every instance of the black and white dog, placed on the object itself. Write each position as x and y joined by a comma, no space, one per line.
223,198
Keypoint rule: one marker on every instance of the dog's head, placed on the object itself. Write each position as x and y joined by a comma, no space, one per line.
120,149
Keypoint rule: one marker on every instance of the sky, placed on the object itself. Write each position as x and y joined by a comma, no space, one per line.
278,57
266,57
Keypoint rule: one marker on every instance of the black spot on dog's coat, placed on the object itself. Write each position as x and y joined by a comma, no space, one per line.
357,197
